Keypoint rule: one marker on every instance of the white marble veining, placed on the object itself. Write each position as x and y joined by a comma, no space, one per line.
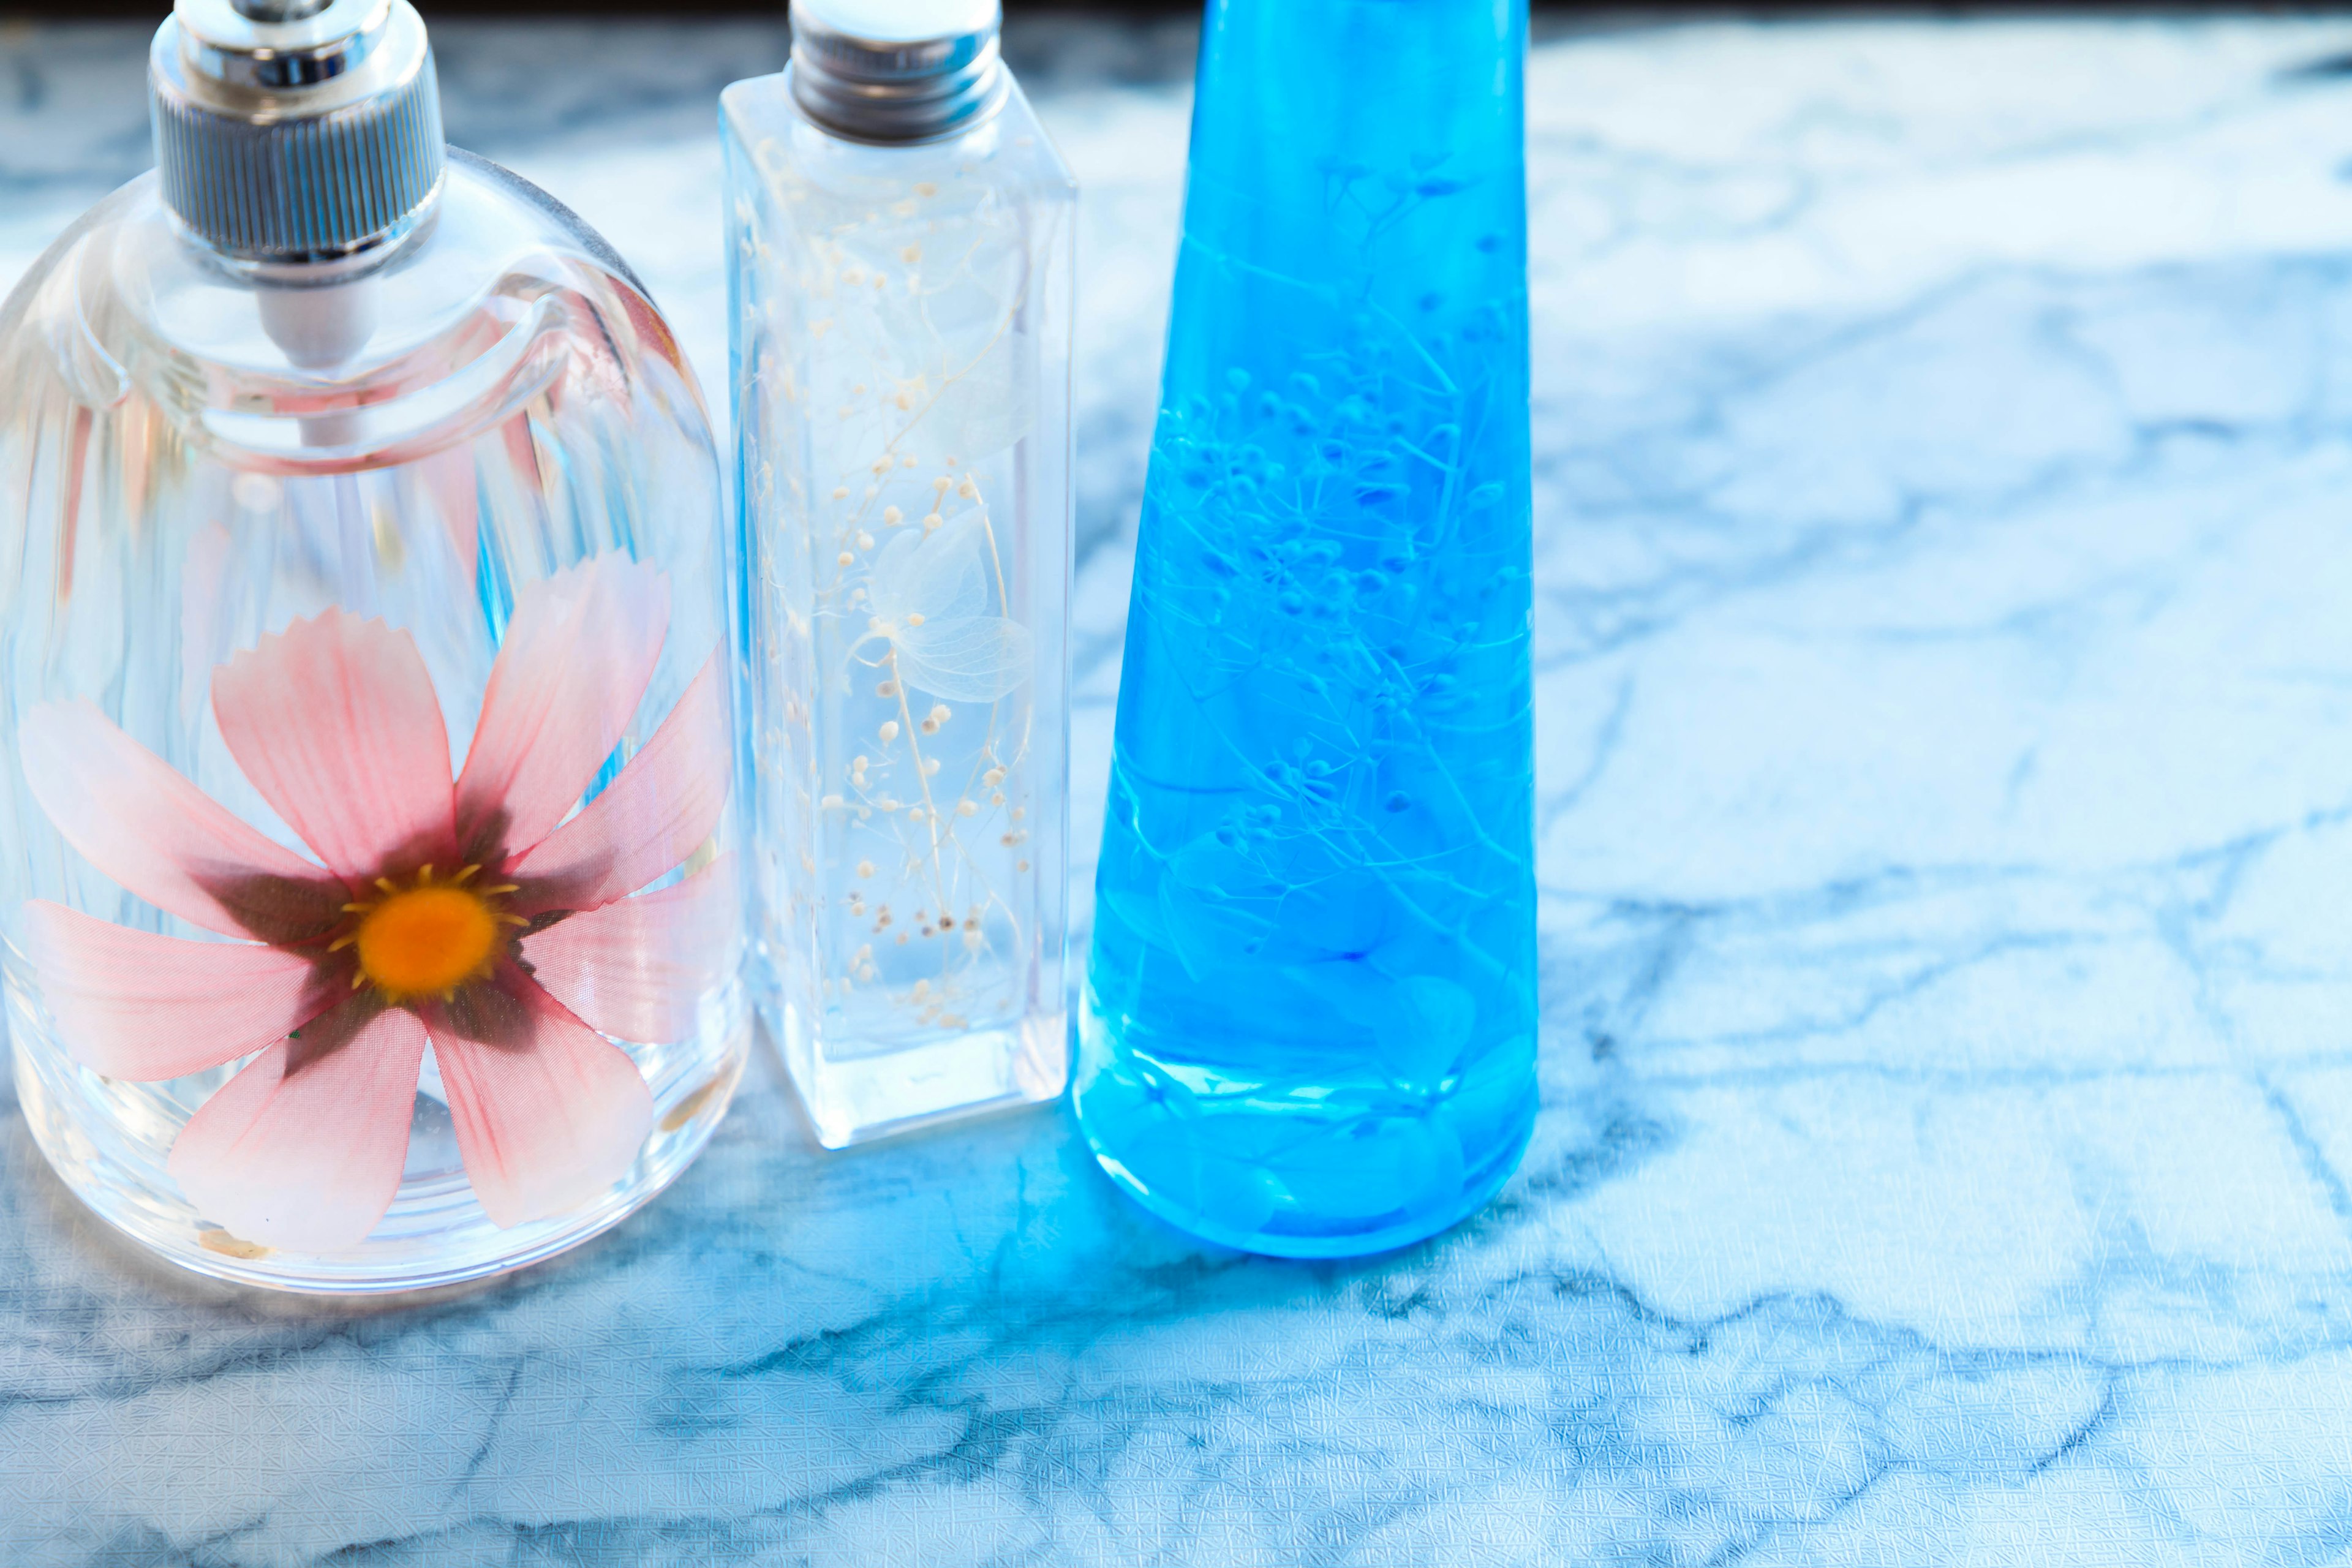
1944,442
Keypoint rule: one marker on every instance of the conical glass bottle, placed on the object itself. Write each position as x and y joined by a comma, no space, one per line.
1311,1016
366,766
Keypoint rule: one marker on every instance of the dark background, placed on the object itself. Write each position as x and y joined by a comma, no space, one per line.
645,10
82,10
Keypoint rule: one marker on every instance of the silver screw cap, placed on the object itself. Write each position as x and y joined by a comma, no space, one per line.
896,72
291,131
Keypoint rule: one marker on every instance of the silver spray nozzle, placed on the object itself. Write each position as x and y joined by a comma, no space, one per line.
294,130
279,10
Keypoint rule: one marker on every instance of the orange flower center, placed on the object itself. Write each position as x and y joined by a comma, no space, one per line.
428,938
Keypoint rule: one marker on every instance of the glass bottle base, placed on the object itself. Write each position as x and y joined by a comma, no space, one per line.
1296,1169
857,1099
436,1233
1335,1242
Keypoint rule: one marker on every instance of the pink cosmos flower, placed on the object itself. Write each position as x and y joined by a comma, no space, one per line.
484,916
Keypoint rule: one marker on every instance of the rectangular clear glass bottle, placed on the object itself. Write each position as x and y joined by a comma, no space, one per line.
901,327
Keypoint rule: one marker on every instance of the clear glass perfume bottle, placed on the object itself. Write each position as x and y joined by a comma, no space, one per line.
1310,1017
901,241
367,851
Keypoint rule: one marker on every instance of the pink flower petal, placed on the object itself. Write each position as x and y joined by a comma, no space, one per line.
70,517
578,652
656,814
638,967
136,819
449,479
303,1148
522,452
335,723
133,1004
549,1113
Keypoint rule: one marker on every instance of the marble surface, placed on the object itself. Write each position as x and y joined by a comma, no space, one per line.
1944,465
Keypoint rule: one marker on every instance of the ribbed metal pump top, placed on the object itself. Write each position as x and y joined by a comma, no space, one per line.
292,130
896,72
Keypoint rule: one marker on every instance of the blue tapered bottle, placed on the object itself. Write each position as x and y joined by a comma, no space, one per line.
1310,1020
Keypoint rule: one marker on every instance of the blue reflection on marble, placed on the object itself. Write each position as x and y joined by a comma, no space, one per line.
1945,683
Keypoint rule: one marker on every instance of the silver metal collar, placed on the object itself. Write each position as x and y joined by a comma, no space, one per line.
891,75
295,129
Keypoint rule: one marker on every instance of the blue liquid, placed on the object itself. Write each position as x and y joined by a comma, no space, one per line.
1310,1020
